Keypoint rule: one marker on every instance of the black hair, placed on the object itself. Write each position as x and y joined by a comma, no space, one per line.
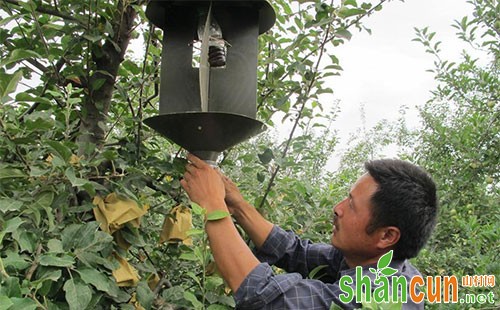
405,198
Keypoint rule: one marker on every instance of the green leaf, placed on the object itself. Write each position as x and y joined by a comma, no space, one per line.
334,306
193,276
97,84
278,72
23,96
26,240
55,246
197,209
345,12
314,272
28,6
132,235
85,237
50,218
48,275
266,156
18,55
145,295
8,204
213,282
192,299
366,5
12,224
384,260
78,295
131,66
92,38
52,260
38,172
95,301
44,199
343,33
69,236
5,302
8,173
217,215
11,287
93,260
16,261
261,177
174,293
60,149
195,232
188,256
23,303
97,279
10,84
201,255
75,181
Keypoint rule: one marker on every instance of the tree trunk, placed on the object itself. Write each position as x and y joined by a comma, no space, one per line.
107,61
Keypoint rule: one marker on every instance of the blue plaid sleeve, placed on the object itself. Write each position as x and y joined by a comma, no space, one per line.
286,250
261,289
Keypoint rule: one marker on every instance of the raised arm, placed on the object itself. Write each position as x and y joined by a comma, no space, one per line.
283,249
255,225
233,257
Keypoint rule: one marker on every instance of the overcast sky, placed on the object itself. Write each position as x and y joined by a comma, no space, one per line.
386,70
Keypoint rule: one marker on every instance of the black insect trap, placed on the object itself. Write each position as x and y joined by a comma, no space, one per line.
208,83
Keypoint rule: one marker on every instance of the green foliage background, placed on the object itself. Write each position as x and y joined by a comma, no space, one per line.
78,132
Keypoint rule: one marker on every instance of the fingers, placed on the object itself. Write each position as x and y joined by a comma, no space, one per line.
195,161
222,175
184,184
190,168
195,167
227,181
193,164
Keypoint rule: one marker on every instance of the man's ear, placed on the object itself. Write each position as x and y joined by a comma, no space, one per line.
389,236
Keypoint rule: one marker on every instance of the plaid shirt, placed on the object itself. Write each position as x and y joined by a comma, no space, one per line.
262,289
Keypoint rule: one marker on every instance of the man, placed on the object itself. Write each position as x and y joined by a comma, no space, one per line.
391,207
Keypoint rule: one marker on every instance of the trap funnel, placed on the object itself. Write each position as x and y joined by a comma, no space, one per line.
208,88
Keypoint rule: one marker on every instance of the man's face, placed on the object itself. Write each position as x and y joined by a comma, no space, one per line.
351,218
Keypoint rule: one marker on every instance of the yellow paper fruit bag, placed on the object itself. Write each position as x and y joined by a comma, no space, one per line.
125,275
176,225
114,211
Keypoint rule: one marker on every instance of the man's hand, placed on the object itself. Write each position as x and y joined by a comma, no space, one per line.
204,185
234,199
256,226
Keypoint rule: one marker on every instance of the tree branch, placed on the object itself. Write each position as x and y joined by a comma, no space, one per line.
34,265
45,10
355,21
31,61
138,138
299,115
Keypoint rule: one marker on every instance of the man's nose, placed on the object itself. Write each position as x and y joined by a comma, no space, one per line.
338,210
